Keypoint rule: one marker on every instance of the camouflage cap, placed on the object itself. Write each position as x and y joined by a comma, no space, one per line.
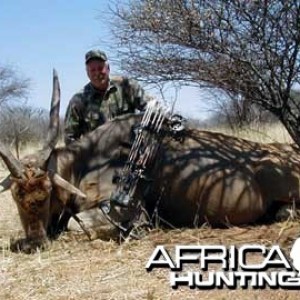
95,54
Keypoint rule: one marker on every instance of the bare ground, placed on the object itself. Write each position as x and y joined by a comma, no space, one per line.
75,268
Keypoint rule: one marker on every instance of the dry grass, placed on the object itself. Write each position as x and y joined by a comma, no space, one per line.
75,268
262,133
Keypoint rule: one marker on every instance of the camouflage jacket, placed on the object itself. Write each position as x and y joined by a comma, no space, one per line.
89,108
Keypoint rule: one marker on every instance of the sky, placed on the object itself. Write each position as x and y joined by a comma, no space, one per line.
39,35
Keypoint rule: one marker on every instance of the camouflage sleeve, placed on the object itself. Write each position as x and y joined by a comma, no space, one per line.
73,120
140,98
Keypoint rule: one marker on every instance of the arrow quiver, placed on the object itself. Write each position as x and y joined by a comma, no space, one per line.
145,146
157,122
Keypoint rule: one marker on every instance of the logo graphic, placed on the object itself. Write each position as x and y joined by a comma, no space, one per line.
295,255
218,266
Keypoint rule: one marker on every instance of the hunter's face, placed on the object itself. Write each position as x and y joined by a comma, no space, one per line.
98,73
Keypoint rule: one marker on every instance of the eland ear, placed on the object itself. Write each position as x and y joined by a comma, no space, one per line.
59,181
5,184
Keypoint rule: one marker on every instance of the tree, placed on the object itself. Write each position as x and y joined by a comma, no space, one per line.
245,48
22,124
11,86
236,111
